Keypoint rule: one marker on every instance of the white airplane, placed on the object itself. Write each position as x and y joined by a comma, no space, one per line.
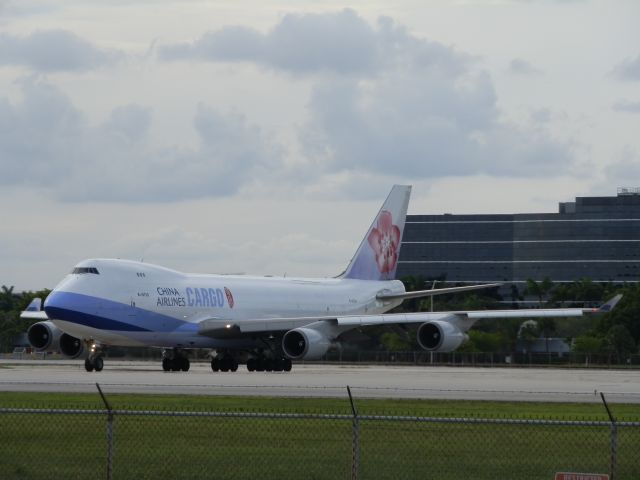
264,322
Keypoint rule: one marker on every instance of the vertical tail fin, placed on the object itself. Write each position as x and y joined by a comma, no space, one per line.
377,255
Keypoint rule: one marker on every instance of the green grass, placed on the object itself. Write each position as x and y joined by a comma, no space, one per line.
425,408
74,446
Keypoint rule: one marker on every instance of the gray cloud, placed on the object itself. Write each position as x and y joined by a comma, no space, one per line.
623,171
626,106
405,108
399,104
47,143
341,42
53,51
629,69
130,122
519,66
424,124
541,115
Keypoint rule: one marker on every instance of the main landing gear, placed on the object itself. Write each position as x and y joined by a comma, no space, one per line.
224,363
257,362
94,360
175,360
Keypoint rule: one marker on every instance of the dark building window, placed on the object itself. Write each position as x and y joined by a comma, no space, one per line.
594,237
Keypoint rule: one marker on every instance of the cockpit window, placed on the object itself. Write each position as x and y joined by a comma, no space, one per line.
82,270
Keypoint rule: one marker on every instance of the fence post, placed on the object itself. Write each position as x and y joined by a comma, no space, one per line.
355,439
614,440
109,434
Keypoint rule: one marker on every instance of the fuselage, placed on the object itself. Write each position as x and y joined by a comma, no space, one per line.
131,303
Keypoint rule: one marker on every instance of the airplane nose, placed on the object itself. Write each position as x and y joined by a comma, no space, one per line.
58,305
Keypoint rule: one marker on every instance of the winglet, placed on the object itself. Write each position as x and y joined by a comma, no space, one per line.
609,304
34,306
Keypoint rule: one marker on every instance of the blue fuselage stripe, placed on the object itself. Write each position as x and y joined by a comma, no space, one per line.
93,321
106,314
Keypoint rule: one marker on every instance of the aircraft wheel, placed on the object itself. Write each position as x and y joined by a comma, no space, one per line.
260,364
215,364
98,364
185,364
251,364
268,365
88,365
166,364
278,364
287,365
226,363
234,365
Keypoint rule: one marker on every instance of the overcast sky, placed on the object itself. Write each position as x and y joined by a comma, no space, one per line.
262,137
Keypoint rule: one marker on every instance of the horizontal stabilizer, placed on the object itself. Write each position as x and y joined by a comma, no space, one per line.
433,292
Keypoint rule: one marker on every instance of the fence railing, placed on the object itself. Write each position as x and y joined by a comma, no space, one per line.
421,357
119,443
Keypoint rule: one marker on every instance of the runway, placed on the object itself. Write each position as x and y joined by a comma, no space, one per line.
319,380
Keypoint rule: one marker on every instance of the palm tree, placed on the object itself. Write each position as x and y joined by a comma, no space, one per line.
539,289
6,298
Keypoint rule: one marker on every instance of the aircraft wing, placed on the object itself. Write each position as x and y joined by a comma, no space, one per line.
41,315
220,328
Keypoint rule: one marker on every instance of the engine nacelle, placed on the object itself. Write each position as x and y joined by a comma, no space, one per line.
305,343
438,336
71,346
44,336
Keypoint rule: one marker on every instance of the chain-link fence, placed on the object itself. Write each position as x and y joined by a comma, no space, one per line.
122,444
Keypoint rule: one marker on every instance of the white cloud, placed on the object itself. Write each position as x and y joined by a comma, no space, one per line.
53,51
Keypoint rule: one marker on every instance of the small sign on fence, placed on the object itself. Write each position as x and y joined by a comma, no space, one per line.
580,476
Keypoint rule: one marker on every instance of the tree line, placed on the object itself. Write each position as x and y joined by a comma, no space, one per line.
11,304
616,334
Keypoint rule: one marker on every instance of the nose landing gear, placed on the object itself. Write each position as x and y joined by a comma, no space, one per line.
94,361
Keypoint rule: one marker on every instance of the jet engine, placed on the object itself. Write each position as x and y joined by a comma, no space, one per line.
305,343
71,346
438,336
45,336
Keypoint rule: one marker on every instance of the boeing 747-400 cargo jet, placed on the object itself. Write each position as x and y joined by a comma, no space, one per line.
265,322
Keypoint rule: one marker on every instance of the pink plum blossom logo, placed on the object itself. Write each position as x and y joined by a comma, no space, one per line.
384,240
230,301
